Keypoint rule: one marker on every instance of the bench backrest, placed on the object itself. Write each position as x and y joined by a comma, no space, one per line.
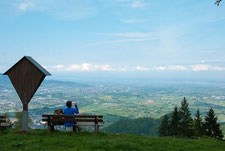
2,119
60,119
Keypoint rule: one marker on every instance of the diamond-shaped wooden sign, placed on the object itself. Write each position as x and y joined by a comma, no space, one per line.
26,76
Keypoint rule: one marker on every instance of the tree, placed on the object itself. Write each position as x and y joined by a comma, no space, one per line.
212,128
198,124
218,2
164,126
175,123
186,122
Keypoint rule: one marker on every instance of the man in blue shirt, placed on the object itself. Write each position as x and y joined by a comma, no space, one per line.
70,111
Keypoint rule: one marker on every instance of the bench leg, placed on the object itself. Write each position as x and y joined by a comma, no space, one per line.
96,128
50,128
74,129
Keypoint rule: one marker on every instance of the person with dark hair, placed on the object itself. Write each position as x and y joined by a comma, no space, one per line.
70,111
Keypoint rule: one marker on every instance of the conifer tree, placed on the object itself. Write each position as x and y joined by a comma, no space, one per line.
175,123
212,128
164,126
198,124
186,122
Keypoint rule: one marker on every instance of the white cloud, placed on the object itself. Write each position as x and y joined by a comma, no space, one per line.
88,67
216,68
123,69
24,6
70,9
159,68
201,67
44,66
59,66
139,68
105,67
176,67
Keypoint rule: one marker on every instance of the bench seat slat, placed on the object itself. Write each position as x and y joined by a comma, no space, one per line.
5,125
2,121
2,116
88,124
81,116
73,120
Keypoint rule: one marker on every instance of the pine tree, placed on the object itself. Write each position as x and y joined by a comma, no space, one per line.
198,124
212,128
186,122
175,123
164,126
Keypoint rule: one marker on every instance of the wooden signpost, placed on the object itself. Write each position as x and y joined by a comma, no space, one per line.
26,76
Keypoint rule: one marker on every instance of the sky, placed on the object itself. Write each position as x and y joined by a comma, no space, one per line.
139,38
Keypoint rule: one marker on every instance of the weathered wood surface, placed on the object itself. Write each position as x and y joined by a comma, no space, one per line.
26,79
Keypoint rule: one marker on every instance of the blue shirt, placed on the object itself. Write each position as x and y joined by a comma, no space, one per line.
70,111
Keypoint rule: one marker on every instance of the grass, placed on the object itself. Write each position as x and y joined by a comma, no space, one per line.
40,140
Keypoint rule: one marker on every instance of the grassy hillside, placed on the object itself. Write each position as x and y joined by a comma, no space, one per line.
143,126
40,140
222,127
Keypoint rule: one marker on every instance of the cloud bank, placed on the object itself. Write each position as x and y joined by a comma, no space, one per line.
85,67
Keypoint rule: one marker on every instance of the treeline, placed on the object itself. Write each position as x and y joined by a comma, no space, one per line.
181,124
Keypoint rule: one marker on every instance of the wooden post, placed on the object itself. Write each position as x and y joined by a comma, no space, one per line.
50,126
25,117
96,124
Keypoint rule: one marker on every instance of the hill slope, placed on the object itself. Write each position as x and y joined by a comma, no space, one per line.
59,141
143,126
222,126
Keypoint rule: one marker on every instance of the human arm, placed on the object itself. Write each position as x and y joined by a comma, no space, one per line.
76,108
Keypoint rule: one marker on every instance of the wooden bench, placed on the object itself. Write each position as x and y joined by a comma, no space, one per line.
3,123
80,120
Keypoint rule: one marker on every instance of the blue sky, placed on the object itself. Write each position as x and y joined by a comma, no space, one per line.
123,36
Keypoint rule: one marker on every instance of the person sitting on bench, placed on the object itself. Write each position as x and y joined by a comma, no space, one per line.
70,111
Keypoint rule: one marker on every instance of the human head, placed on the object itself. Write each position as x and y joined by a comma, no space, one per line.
69,103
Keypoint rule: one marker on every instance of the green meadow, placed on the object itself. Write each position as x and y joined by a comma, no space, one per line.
41,140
